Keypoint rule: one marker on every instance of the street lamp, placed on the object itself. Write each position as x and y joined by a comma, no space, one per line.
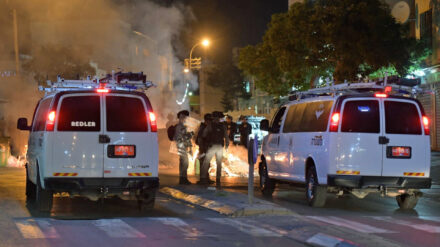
186,70
204,42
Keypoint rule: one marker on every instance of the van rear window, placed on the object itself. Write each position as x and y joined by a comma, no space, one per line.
80,113
361,116
126,114
402,118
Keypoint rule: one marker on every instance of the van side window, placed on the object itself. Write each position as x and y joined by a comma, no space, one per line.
276,122
41,115
121,111
361,116
308,117
80,113
294,118
402,118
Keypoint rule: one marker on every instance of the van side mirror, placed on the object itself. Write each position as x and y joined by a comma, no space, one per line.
264,125
22,124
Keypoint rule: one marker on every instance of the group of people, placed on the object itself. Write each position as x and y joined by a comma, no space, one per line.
212,137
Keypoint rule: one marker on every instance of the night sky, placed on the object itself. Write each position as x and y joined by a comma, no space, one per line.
228,23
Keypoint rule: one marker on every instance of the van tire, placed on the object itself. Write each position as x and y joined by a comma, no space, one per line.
316,194
407,201
43,197
146,201
267,185
30,187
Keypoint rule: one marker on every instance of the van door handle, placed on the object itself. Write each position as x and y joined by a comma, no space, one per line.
383,140
104,139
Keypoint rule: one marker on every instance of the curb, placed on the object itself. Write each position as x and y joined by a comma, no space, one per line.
235,208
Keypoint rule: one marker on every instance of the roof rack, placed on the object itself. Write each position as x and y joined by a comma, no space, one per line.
399,86
127,81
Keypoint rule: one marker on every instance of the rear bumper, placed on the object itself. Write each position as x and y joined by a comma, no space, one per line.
99,185
347,181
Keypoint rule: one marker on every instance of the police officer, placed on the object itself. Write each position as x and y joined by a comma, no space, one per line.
231,127
203,144
245,130
184,146
218,138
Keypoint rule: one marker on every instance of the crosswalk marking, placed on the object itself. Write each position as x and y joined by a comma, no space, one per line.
360,227
30,228
324,240
422,227
182,226
246,228
116,228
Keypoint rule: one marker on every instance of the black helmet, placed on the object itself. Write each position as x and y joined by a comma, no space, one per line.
184,112
207,117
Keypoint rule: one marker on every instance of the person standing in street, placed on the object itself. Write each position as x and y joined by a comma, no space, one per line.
218,138
245,130
231,127
203,144
184,146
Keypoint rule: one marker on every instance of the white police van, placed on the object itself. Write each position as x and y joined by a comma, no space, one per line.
349,139
94,140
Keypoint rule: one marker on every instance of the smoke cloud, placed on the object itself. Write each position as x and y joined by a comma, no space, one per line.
109,35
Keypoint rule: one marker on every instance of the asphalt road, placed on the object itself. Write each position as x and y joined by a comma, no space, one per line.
373,221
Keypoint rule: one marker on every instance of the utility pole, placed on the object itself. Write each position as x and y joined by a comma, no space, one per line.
17,65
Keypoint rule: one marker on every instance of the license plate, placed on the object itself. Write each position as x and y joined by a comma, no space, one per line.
399,152
121,151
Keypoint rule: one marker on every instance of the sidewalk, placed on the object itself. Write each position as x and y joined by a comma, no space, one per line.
224,202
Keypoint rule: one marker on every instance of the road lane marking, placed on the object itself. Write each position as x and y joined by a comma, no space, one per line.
422,227
324,240
31,228
116,228
360,227
182,226
246,228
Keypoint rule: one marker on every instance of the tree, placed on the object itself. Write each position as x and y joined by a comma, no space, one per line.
228,78
50,61
343,39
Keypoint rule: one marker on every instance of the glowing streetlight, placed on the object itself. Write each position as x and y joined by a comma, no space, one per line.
204,42
186,70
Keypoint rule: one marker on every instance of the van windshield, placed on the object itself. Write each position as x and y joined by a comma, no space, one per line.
402,118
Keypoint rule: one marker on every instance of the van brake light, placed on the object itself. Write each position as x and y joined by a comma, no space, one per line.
426,124
102,90
50,123
380,95
153,121
334,122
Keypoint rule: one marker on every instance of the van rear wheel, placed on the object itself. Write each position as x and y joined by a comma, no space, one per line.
30,188
267,185
407,201
43,197
146,200
316,195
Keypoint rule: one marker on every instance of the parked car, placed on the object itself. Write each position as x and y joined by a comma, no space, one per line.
94,143
356,143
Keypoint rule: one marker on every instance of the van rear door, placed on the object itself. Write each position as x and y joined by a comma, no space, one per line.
405,152
76,150
132,148
359,151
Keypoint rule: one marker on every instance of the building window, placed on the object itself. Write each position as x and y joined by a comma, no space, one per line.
426,27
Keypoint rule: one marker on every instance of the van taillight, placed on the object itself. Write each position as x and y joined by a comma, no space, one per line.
426,124
153,121
334,122
50,122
